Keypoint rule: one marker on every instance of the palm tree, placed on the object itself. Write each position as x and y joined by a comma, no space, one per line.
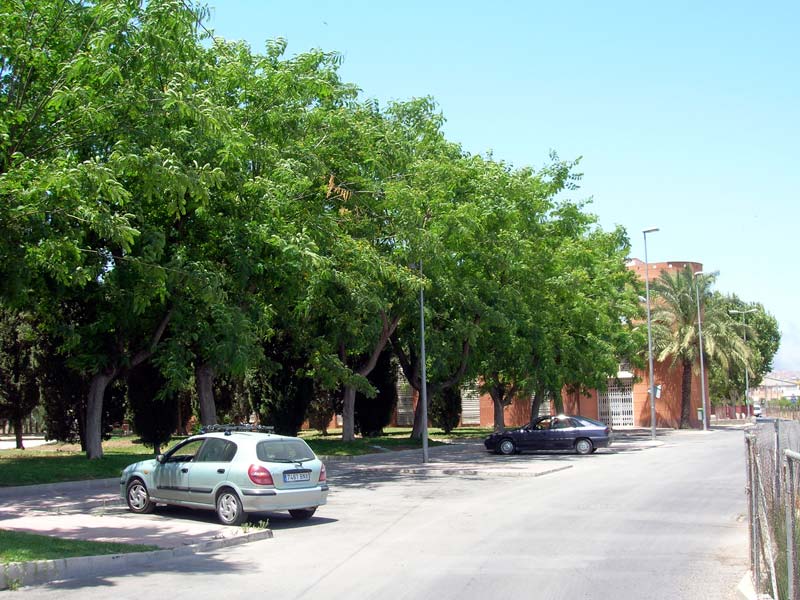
675,329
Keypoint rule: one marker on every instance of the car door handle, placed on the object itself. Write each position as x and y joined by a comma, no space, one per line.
220,470
184,470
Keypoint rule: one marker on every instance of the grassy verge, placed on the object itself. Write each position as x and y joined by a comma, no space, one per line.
65,462
22,547
393,438
54,463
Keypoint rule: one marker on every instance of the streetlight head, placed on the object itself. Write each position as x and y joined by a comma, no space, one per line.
650,230
733,311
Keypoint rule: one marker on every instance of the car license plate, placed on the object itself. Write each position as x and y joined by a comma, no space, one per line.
302,476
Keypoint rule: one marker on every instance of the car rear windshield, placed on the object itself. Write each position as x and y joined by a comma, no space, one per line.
287,451
592,421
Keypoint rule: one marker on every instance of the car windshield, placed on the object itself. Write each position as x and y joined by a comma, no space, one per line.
589,421
288,451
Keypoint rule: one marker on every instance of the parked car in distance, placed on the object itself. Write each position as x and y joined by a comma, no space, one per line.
756,410
233,470
559,432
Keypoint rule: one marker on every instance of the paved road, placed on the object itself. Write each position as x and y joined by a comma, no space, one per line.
664,522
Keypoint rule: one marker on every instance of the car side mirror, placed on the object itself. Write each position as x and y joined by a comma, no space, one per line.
160,458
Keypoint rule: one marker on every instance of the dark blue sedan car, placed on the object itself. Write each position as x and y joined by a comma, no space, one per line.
559,432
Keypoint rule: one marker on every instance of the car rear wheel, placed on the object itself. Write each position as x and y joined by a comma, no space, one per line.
507,447
301,514
584,446
229,508
139,498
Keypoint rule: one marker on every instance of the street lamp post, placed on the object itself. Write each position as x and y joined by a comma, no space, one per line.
423,391
702,365
746,366
650,336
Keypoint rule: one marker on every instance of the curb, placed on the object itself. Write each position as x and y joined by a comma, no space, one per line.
746,590
16,575
499,473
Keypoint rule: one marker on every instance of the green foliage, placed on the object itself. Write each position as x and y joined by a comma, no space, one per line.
281,394
676,331
445,409
154,409
322,409
189,202
760,329
64,394
374,413
20,368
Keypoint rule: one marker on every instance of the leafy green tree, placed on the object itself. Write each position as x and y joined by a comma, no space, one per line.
153,406
675,330
372,414
365,270
586,324
282,396
763,339
445,409
322,409
19,369
443,224
128,147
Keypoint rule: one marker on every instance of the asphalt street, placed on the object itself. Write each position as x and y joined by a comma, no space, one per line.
658,522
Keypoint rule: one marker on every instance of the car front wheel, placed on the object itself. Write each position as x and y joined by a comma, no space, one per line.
583,446
507,447
301,514
139,498
229,508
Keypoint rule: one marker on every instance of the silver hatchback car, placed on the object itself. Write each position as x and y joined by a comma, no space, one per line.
233,470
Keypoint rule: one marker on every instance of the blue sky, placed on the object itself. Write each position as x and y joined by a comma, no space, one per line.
686,114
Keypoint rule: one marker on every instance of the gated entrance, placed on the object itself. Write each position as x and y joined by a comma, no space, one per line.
615,405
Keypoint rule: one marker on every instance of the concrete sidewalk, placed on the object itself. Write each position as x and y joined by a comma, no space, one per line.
93,510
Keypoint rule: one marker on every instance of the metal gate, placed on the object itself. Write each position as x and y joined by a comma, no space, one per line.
470,404
405,402
615,405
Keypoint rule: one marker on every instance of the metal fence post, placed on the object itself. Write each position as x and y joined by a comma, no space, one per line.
752,510
791,460
776,486
748,489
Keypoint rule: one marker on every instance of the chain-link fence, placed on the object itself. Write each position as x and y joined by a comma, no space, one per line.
773,499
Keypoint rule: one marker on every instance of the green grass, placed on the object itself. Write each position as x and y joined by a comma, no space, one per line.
16,546
393,438
54,463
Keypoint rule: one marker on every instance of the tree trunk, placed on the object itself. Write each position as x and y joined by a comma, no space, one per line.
686,394
204,379
536,404
416,429
348,414
497,392
18,432
94,413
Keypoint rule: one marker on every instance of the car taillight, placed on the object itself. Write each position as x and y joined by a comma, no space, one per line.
259,475
323,476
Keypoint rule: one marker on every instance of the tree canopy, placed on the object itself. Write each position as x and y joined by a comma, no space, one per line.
215,216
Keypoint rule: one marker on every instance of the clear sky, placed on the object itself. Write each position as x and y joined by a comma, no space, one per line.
686,114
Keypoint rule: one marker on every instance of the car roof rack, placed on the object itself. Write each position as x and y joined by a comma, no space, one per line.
227,429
